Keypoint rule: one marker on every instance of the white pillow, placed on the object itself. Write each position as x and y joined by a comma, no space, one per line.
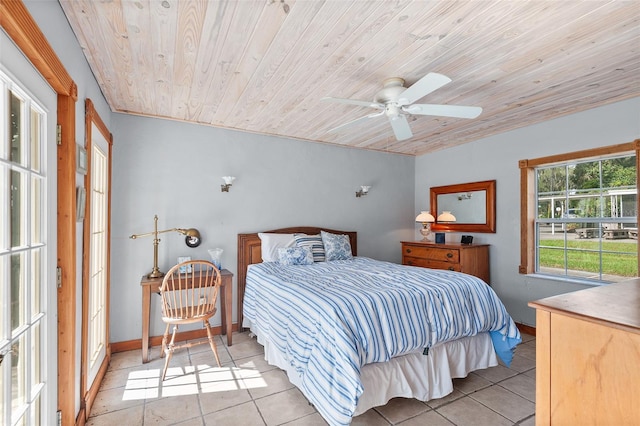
272,242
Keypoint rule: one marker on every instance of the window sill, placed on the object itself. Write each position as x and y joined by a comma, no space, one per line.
570,280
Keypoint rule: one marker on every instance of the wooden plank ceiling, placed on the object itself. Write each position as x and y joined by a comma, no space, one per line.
262,66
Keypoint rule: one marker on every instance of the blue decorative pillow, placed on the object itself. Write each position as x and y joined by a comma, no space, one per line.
295,256
336,247
314,242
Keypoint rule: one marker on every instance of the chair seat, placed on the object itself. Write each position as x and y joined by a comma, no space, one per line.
184,316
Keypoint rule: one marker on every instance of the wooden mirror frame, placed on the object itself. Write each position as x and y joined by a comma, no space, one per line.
488,185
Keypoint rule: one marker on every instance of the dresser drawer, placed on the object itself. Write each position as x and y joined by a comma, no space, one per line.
433,253
428,263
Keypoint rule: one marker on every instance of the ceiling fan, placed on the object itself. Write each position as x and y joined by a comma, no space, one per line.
397,102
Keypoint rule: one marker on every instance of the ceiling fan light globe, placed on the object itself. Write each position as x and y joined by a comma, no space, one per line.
392,111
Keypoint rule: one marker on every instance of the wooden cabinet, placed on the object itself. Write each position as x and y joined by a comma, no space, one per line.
588,356
472,259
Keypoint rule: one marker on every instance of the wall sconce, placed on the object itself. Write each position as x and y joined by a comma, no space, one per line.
192,239
228,181
364,190
426,219
466,196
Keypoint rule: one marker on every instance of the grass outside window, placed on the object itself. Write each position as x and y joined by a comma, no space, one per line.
618,258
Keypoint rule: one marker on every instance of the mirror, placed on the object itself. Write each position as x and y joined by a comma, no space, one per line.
473,205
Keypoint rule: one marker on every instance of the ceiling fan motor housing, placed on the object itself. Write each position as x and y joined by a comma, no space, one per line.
392,88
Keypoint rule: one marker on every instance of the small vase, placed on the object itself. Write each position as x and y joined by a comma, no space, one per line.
216,255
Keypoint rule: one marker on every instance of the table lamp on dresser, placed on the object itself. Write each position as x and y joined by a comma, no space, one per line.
426,219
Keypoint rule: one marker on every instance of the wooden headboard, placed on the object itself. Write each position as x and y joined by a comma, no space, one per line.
249,252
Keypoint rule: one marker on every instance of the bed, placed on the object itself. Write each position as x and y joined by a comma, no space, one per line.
350,344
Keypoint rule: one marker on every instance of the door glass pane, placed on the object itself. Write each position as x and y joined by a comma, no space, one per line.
35,136
18,374
17,206
36,209
22,421
36,346
18,275
3,300
36,281
15,122
4,207
36,412
3,407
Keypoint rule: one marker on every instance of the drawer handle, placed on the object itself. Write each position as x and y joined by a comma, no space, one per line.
408,250
410,263
451,268
449,255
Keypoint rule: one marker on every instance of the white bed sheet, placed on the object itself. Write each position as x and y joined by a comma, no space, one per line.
414,375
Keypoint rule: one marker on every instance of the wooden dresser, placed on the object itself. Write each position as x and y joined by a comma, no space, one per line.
588,356
472,259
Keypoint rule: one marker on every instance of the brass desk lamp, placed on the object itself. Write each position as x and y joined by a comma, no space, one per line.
192,240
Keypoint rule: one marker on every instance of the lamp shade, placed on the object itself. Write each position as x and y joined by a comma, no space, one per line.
192,232
425,217
446,217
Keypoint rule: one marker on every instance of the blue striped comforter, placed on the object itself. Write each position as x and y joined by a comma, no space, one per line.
331,318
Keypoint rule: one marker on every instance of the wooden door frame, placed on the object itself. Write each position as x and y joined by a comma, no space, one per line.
18,23
88,395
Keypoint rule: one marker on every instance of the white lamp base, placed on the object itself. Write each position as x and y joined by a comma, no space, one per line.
426,231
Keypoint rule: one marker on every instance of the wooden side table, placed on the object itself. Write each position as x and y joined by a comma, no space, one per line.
152,285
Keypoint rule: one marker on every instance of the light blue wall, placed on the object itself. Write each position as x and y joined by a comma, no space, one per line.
174,170
497,158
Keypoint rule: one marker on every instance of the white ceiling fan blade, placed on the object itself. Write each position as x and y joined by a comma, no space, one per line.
356,121
458,111
401,127
368,104
422,87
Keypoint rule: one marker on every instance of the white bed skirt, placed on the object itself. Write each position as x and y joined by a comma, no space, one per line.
414,375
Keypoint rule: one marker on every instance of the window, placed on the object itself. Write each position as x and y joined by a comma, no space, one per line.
579,214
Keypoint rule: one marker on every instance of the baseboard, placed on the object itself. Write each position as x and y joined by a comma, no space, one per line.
129,345
527,329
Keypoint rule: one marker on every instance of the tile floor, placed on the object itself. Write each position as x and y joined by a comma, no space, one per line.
250,392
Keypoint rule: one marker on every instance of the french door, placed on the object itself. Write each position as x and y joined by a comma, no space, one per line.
98,255
27,242
95,281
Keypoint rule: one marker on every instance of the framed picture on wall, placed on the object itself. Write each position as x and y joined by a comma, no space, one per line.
81,200
81,160
184,269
